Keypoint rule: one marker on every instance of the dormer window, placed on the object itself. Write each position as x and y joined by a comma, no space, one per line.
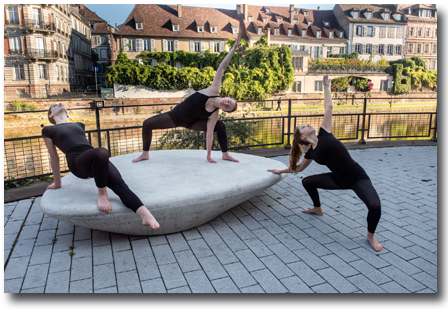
279,20
213,30
265,20
296,21
235,30
386,16
305,13
93,26
303,33
341,34
268,11
398,17
289,32
260,30
200,29
318,34
250,19
369,15
355,15
139,26
295,12
327,24
276,31
330,34
310,23
176,28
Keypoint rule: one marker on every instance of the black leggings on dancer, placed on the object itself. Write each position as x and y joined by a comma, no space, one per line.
363,188
95,163
163,121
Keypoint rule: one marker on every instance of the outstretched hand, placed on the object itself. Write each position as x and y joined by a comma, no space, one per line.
237,42
275,171
327,81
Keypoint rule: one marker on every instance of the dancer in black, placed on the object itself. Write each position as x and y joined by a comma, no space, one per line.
346,173
198,112
84,162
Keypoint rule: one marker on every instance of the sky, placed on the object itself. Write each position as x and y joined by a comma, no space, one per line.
118,13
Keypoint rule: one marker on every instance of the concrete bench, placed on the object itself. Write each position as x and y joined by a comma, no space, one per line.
180,188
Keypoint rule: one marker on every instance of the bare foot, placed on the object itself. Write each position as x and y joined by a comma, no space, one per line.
143,156
226,156
314,211
375,245
104,204
147,218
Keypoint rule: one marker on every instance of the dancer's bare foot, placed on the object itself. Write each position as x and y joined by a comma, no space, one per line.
103,200
226,156
375,245
314,211
147,218
143,156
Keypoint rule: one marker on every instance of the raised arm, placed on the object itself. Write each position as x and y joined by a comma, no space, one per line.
222,67
300,167
54,163
328,105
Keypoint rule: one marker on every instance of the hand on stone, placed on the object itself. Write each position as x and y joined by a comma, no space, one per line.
275,171
53,186
209,159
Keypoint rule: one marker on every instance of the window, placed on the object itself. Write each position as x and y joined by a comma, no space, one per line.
103,54
369,31
330,34
268,10
138,26
410,48
341,34
213,30
176,28
398,49
342,50
296,21
411,31
250,19
390,49
305,13
310,23
170,45
279,20
369,15
103,39
260,30
235,30
381,49
358,31
216,47
398,17
265,20
383,86
391,33
289,32
57,70
329,51
368,48
355,15
327,24
434,48
302,48
276,31
131,43
201,29
297,87
426,49
386,16
93,26
318,34
304,33
419,32
432,65
358,48
19,72
15,44
409,11
318,51
197,46
382,32
13,15
36,17
428,32
318,86
435,32
419,48
297,63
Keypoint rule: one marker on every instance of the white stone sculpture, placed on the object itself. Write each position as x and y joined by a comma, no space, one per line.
180,188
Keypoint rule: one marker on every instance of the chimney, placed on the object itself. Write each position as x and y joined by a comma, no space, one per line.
318,7
179,10
291,14
81,6
246,12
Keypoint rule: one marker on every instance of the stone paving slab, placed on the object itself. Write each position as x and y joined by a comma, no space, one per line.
264,245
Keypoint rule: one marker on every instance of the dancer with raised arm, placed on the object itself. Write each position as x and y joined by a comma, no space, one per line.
198,112
346,173
85,162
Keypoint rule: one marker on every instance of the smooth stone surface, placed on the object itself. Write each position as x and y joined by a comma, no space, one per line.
180,188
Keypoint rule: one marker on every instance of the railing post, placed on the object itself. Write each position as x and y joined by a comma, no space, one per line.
434,136
288,145
197,138
362,141
98,127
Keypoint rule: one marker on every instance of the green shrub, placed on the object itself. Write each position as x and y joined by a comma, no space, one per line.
419,62
407,63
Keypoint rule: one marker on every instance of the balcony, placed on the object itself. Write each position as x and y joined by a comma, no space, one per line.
39,26
42,54
347,68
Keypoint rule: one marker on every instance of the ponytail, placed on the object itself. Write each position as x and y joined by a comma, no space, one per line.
296,149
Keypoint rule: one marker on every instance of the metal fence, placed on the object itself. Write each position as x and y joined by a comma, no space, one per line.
27,157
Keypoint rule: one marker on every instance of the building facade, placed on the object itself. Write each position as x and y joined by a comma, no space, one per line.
314,31
421,32
102,40
171,28
374,31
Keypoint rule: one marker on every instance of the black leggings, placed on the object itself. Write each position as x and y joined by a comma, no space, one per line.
363,188
164,121
95,163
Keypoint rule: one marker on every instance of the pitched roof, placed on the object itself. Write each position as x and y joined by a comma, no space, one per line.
158,21
376,13
317,17
100,24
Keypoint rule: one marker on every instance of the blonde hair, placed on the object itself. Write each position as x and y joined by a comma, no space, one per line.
296,149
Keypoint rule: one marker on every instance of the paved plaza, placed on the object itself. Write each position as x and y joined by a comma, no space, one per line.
264,245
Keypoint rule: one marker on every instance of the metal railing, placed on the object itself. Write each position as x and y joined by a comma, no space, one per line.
347,68
39,25
27,157
41,53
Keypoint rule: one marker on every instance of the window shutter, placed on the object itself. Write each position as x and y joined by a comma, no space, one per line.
311,51
373,31
139,44
125,44
176,45
221,47
6,50
164,45
202,46
364,31
153,45
191,46
363,49
321,52
375,49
